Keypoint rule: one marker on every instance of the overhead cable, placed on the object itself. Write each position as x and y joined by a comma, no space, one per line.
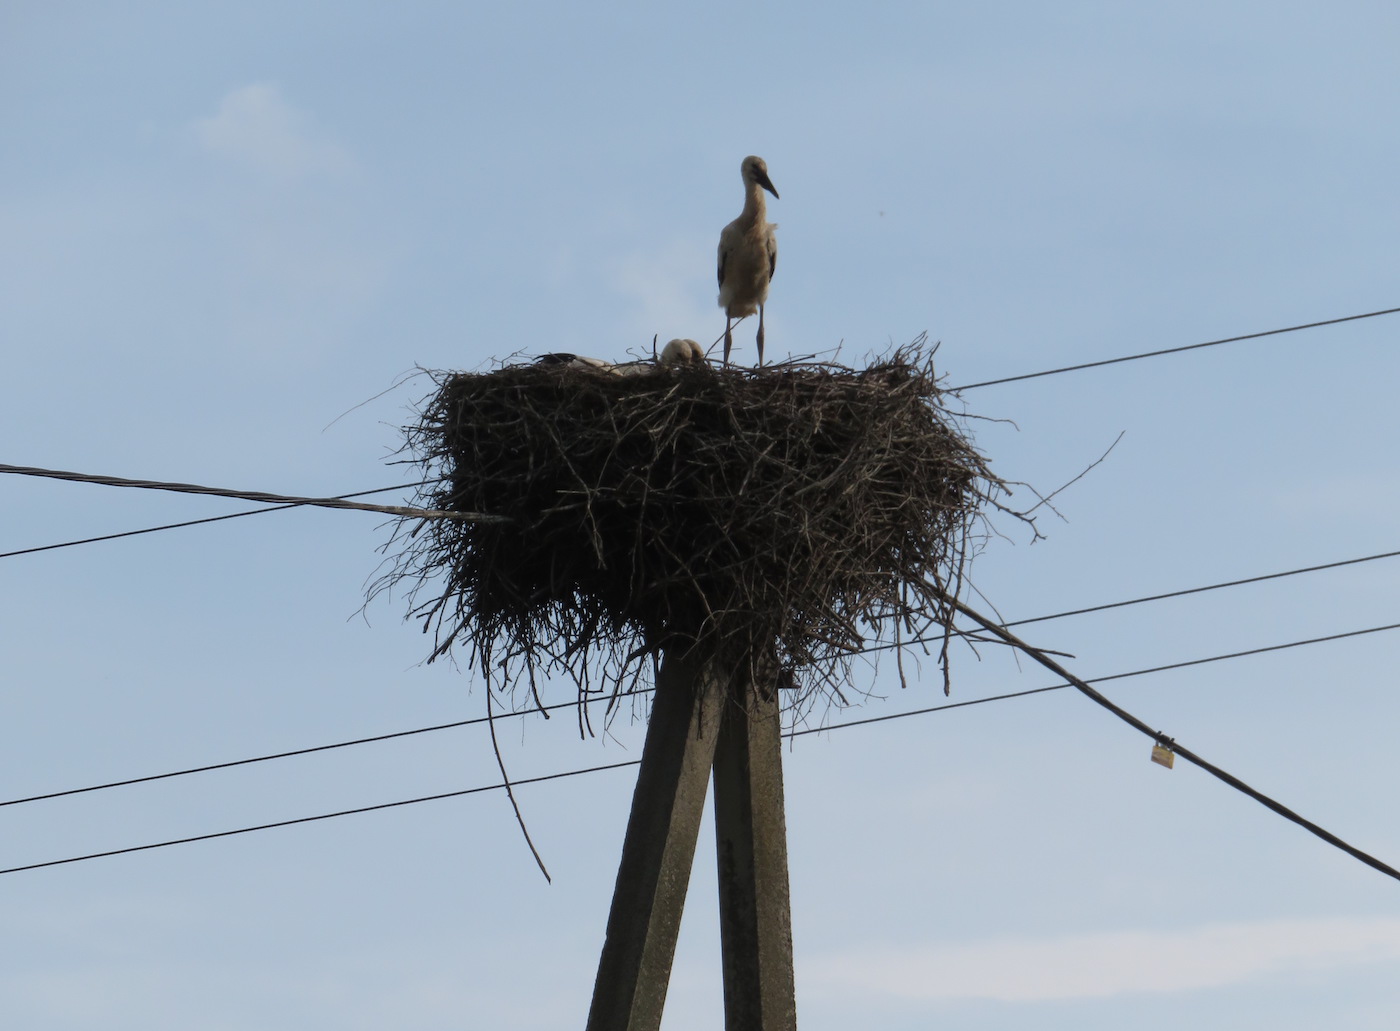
192,522
1174,350
479,720
1038,654
250,495
1170,743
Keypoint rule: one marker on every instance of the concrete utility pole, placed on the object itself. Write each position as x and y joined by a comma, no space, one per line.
699,723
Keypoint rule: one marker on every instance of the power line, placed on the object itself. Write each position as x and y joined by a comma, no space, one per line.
1175,350
283,501
1161,739
249,495
479,720
1070,681
1100,680
268,758
291,502
196,522
1208,587
341,502
313,819
1160,597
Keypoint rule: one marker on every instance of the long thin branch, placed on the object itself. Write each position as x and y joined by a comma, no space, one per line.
510,792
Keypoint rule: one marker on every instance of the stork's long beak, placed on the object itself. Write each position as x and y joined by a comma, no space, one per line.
761,177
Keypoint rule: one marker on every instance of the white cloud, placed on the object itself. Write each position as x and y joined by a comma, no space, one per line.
254,126
666,289
1086,966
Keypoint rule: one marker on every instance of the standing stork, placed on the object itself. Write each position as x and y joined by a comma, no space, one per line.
748,254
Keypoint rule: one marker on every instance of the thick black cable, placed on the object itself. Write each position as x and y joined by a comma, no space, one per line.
1167,742
1174,350
248,495
196,522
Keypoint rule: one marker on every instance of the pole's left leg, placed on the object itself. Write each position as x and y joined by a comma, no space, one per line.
659,849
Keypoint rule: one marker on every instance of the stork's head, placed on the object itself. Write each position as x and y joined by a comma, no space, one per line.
755,170
682,352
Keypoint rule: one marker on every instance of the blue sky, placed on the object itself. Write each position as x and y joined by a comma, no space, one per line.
224,225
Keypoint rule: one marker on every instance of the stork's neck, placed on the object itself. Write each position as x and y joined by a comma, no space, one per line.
755,209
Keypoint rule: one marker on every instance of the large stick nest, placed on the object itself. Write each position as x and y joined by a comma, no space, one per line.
788,514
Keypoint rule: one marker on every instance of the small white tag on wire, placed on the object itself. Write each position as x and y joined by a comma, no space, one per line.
1163,756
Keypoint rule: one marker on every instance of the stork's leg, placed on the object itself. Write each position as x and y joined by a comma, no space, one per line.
728,337
760,334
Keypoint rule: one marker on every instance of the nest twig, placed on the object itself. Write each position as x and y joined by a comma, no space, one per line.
786,515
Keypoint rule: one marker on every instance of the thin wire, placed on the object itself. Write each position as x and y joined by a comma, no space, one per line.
1161,739
1155,597
313,819
249,495
196,522
275,755
1070,681
1208,587
478,720
1175,350
1096,680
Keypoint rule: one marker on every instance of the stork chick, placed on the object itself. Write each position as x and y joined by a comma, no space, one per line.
677,352
681,352
748,255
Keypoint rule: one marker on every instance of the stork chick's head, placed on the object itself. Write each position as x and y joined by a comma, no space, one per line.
755,171
682,352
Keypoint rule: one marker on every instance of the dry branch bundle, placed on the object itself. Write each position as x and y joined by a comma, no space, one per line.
786,514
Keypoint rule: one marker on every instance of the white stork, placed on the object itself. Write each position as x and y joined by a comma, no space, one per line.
748,255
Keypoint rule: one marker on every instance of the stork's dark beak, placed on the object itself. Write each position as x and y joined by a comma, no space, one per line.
761,177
